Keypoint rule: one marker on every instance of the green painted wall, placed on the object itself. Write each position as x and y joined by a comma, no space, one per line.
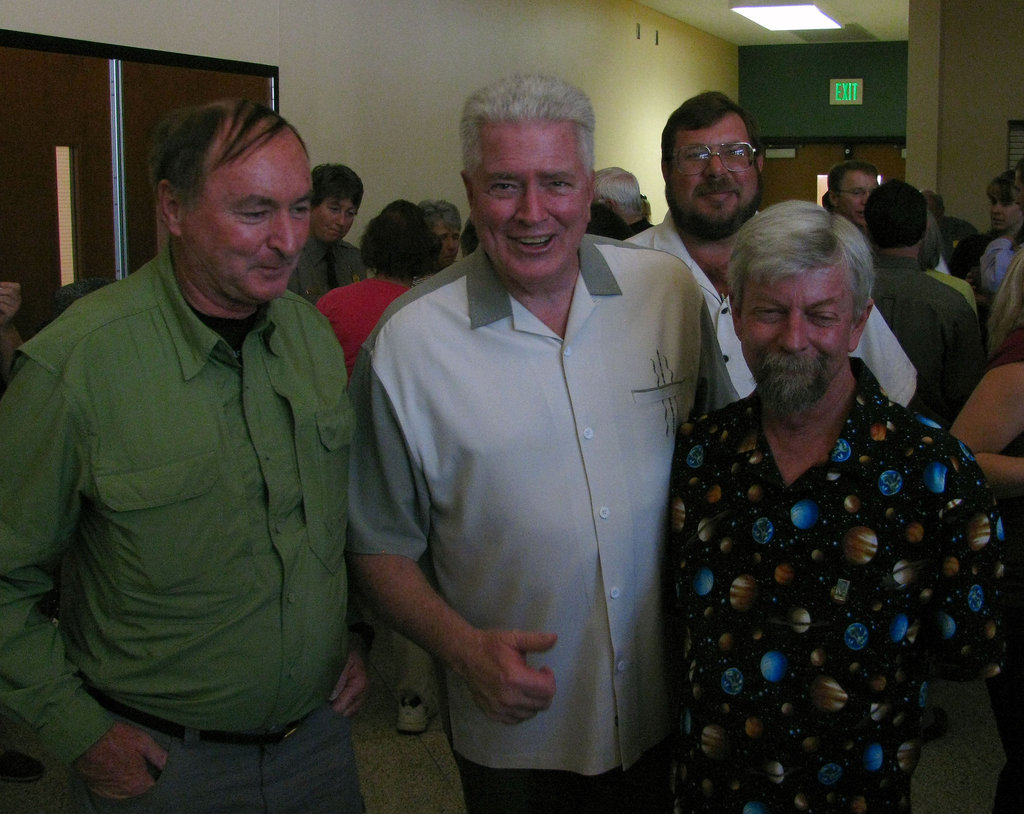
787,86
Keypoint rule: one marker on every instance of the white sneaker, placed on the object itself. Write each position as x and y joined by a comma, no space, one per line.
412,716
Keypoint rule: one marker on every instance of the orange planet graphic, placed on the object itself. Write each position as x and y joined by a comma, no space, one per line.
860,544
714,494
743,592
950,567
914,532
714,742
678,514
852,504
784,573
907,755
979,531
827,694
754,727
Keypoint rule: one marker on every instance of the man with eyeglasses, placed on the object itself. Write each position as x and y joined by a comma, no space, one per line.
850,184
711,159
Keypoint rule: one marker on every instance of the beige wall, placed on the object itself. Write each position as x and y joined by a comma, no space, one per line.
965,84
379,85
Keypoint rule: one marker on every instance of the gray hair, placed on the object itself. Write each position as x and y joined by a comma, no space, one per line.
620,188
526,98
441,211
797,237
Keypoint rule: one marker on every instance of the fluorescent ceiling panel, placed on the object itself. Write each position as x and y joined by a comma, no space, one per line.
787,17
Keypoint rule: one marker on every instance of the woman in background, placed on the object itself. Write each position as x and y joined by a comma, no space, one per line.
992,425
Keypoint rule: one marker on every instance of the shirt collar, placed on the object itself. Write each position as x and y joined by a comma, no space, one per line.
194,342
489,301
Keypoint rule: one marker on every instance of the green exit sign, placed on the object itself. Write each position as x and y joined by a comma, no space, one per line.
846,92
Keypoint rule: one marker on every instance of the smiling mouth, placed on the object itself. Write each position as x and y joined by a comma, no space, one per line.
534,241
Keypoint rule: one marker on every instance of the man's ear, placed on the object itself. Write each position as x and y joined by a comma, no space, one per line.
169,207
859,324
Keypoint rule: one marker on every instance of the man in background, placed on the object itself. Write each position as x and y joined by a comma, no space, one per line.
328,260
620,190
711,159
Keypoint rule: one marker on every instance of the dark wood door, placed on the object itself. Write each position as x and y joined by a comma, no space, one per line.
50,100
796,178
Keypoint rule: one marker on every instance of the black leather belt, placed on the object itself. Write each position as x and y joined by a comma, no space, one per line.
179,731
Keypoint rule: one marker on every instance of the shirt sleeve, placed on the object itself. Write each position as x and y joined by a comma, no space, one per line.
389,507
965,625
39,508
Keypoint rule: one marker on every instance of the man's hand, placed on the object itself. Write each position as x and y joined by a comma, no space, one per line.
503,685
117,765
350,691
10,301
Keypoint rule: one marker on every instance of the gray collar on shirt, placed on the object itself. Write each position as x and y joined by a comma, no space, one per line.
489,301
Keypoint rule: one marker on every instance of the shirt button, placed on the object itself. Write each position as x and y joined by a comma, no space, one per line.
588,433
725,357
725,310
621,666
604,512
291,599
616,593
567,352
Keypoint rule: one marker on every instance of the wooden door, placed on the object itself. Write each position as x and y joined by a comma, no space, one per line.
796,178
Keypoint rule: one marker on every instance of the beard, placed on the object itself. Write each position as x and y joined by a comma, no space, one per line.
712,227
790,384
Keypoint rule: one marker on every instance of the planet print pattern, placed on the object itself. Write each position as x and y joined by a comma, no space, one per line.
814,612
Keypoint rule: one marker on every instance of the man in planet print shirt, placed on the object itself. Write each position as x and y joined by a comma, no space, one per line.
828,549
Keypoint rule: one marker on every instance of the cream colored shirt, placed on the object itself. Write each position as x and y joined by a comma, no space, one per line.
535,469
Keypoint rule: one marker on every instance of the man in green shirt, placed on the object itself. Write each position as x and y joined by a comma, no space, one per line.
180,440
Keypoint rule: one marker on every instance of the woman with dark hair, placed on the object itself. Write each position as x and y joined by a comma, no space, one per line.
401,248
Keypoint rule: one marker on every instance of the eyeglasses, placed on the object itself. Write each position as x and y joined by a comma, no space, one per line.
857,192
691,159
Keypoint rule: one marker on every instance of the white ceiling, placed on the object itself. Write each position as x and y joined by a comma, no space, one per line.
863,20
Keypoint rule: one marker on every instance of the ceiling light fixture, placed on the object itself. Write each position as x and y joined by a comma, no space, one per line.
777,15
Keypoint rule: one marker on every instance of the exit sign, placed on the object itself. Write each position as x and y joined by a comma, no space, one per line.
846,92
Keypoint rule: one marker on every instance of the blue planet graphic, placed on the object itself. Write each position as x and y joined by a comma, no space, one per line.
965,451
926,421
922,695
804,514
755,808
935,477
946,625
976,598
829,774
898,627
856,636
695,458
841,451
774,665
890,482
873,757
1000,534
732,681
762,531
703,582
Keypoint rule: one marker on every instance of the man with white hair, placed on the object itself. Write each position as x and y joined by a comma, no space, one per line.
515,417
620,190
829,548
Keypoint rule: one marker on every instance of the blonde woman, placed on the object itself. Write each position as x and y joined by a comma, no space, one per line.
992,425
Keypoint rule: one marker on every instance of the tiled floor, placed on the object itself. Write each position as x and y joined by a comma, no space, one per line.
415,774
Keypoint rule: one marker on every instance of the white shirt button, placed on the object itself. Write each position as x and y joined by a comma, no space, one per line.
604,512
588,433
567,351
616,593
621,666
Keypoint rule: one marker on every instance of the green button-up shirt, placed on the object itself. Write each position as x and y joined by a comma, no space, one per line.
199,503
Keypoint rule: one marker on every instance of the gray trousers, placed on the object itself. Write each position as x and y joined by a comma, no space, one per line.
313,771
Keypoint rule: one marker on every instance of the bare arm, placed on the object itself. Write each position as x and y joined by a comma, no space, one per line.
492,662
10,339
989,421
